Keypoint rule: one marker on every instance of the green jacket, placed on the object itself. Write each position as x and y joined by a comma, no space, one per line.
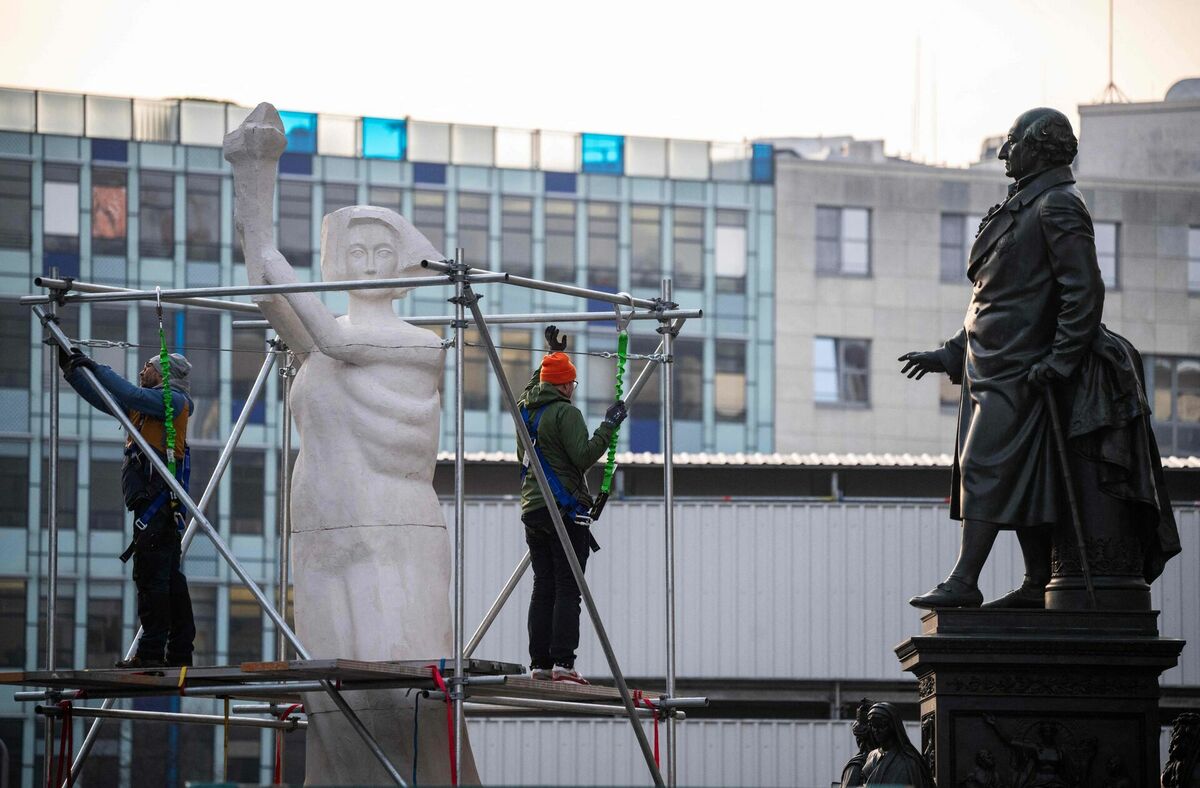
563,438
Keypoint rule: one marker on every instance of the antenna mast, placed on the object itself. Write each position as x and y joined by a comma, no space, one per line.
1112,94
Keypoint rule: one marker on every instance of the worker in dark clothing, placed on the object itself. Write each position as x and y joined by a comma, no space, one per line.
163,603
566,452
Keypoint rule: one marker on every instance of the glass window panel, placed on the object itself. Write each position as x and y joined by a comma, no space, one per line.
687,250
516,235
248,476
429,216
245,629
855,224
855,257
109,322
603,153
201,123
110,118
429,141
15,207
948,393
106,506
295,222
200,342
475,373
301,131
645,265
473,145
689,379
204,613
384,138
1106,252
14,327
12,623
17,110
110,211
601,376
646,156
14,489
602,244
687,159
558,151
338,137
60,113
514,148
854,353
204,217
952,229
104,618
473,227
560,240
339,195
855,387
248,355
64,626
762,161
1193,272
730,389
61,214
68,487
386,197
829,223
156,225
155,121
516,357
730,247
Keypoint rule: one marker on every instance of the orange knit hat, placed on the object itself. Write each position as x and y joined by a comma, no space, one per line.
557,368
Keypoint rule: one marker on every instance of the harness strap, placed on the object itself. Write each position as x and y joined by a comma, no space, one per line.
183,473
279,744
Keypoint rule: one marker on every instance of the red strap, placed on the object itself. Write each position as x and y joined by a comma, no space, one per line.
640,700
66,747
49,750
279,744
441,684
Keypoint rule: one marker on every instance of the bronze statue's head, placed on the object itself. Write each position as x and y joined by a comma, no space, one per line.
1038,140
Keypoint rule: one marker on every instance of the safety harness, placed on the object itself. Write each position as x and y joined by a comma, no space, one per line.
610,465
570,506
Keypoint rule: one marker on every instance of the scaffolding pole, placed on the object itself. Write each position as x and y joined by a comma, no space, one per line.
533,318
564,538
460,326
479,275
52,523
668,332
85,748
286,373
222,548
103,713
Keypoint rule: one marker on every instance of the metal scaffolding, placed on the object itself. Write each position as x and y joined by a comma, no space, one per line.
282,677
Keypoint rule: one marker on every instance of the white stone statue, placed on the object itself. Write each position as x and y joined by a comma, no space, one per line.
371,557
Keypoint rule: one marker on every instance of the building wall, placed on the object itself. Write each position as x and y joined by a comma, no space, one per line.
907,302
1151,141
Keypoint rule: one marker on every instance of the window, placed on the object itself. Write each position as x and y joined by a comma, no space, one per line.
64,626
60,209
110,211
731,381
249,353
948,393
68,485
560,241
245,627
516,358
104,618
204,218
689,379
688,248
602,245
295,222
248,475
957,235
14,327
204,612
516,235
12,622
1175,386
1107,252
645,268
731,251
843,241
12,731
384,138
14,487
340,195
601,376
15,206
106,504
1193,271
429,216
473,228
386,197
603,153
199,343
156,214
475,373
840,370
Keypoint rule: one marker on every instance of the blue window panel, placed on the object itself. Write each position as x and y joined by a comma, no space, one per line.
384,138
762,163
643,435
604,153
594,305
67,263
296,163
110,150
427,172
301,131
258,414
560,182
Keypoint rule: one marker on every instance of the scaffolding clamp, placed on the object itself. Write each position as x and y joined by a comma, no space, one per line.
58,293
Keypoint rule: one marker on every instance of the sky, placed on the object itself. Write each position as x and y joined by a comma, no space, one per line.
930,77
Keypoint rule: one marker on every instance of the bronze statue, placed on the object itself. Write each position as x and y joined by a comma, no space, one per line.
1034,322
852,771
1042,761
984,774
1183,753
895,761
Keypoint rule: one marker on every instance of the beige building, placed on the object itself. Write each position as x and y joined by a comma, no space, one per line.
871,256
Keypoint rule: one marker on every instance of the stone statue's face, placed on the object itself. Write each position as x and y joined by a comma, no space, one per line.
371,254
881,729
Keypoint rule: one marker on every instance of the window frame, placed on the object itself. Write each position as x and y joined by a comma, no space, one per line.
837,267
842,372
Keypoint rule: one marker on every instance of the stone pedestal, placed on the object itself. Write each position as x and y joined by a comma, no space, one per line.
1071,694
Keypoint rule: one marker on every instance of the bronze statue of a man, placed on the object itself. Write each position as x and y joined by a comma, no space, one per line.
1034,322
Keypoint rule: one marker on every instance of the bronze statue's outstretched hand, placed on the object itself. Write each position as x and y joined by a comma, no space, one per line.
260,137
920,363
1042,374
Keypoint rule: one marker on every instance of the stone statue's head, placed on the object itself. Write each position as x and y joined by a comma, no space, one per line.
365,242
1039,139
985,760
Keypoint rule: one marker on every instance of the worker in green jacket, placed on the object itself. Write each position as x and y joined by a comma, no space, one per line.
567,451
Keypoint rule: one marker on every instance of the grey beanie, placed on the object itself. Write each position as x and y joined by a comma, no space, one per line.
179,368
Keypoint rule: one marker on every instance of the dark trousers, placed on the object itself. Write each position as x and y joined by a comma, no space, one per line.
554,606
163,604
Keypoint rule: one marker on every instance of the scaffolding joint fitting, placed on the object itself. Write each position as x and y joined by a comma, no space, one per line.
468,298
58,293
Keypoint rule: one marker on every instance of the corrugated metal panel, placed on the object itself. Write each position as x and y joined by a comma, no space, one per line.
796,590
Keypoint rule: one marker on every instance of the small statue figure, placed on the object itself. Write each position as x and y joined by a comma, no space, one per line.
1183,753
895,761
852,771
984,774
1118,776
1042,762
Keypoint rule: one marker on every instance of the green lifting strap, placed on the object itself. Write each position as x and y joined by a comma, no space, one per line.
164,362
611,466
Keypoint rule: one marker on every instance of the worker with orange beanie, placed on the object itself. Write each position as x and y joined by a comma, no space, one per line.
565,451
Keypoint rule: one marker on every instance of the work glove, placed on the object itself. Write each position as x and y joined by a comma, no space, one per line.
616,413
555,341
78,359
1042,374
921,362
64,360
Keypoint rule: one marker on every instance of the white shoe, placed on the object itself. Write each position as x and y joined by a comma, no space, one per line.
541,674
568,674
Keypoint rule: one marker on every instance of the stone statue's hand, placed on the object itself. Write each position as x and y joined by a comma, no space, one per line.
1042,374
260,137
920,363
277,270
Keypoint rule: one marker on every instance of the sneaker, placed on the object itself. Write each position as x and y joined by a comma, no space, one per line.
541,674
569,675
139,663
